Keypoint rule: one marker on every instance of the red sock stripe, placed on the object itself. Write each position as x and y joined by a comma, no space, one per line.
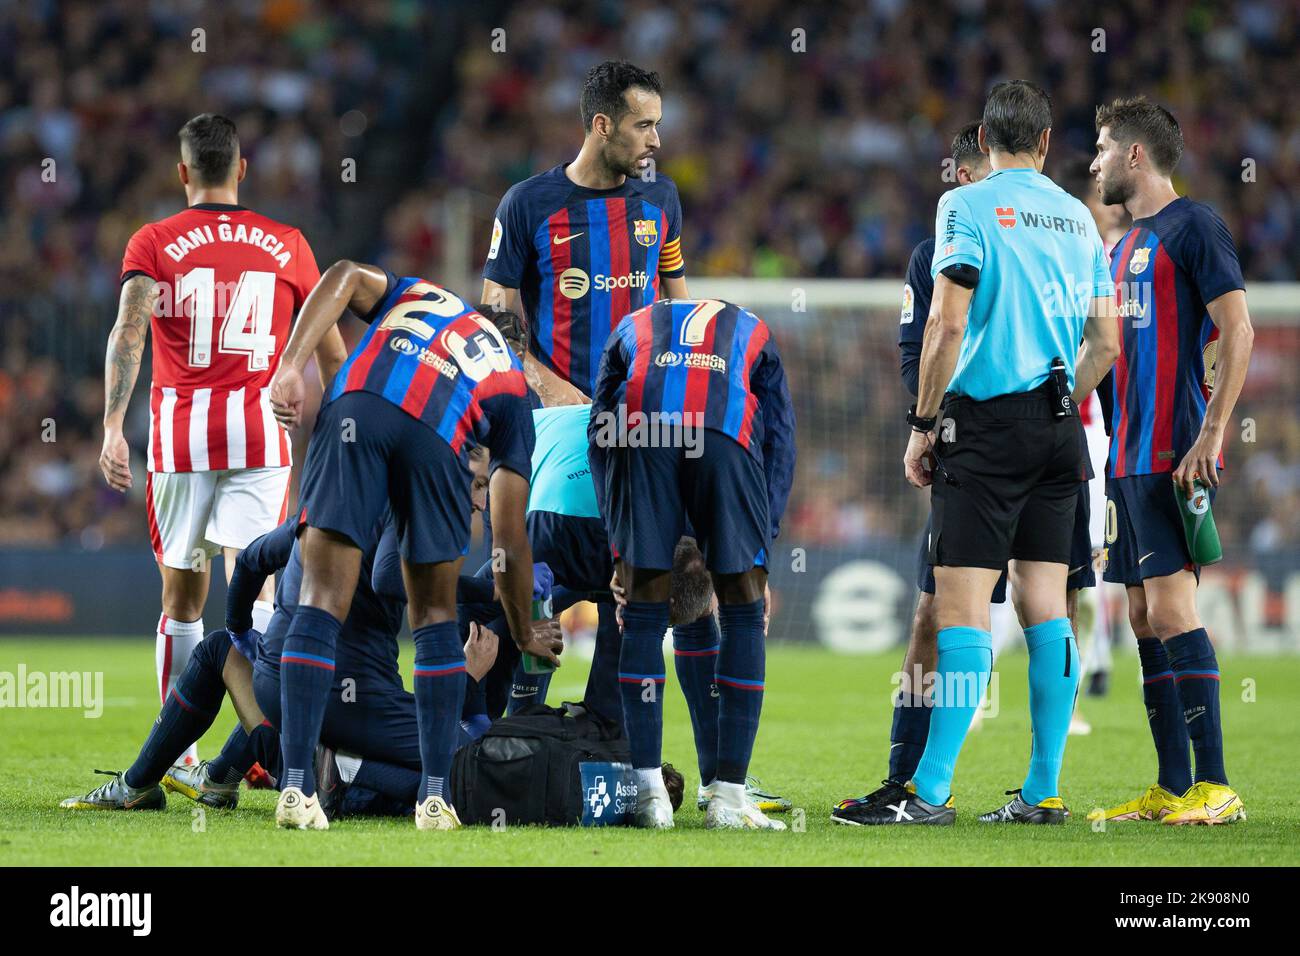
164,677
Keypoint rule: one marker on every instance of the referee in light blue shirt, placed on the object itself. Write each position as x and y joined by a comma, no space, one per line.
1021,279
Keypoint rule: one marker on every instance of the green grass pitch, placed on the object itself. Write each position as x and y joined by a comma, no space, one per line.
825,724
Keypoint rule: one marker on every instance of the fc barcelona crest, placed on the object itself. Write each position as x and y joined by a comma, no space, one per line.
1137,264
646,232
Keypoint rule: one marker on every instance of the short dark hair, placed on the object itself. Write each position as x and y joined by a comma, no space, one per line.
675,784
1015,115
1136,120
966,144
211,142
603,89
691,590
509,324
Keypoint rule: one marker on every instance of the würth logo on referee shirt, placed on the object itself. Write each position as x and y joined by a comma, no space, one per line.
1006,216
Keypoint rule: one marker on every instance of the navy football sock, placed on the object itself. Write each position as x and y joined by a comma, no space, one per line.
907,736
264,742
1196,674
400,783
236,753
641,678
306,674
741,665
695,658
187,713
243,749
1165,715
439,696
603,693
526,689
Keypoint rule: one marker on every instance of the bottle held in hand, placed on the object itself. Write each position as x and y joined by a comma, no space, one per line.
532,663
1198,524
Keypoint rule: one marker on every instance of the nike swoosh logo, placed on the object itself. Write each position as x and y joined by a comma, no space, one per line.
561,240
1145,556
519,696
1215,811
892,746
1194,716
1077,570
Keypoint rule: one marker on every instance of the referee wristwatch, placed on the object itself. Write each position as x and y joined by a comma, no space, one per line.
918,423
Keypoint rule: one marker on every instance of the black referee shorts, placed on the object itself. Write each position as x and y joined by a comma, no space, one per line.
1006,483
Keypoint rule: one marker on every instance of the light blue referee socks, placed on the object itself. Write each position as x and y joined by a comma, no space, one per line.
1053,684
962,676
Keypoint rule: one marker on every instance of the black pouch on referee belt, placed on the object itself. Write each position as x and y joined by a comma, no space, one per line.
559,766
1059,385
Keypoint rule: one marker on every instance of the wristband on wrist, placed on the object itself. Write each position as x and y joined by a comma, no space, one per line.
920,424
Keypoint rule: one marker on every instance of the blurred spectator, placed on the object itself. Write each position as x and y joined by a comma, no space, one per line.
813,153
828,162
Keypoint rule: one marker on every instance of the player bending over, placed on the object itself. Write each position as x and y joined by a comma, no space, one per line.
428,381
692,420
567,533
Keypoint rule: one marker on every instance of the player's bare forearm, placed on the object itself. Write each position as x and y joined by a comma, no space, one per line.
550,388
675,287
126,346
345,285
331,353
499,297
1236,342
942,343
1100,347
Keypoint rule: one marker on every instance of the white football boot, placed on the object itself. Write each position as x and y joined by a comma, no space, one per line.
654,808
729,809
296,811
436,813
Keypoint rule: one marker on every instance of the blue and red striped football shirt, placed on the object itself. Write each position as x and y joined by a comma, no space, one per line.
582,259
714,362
441,362
1166,268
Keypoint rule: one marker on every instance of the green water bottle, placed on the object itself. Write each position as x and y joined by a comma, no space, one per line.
1198,524
532,663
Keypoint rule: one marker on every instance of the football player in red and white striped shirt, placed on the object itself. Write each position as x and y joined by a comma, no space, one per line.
219,285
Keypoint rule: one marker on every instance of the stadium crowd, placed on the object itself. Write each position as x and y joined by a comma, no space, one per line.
790,162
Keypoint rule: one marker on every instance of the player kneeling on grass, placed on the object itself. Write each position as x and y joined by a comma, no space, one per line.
691,420
189,710
212,671
429,381
566,532
375,724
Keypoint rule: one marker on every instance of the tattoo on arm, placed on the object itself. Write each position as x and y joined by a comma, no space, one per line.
126,343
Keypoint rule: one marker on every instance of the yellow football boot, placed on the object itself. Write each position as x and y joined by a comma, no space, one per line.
1208,803
1156,804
